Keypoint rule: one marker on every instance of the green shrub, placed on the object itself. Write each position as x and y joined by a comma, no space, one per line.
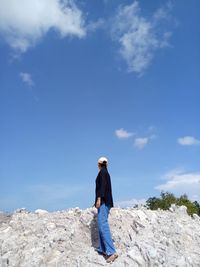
166,199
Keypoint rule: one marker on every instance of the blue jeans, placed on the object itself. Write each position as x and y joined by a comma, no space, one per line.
105,240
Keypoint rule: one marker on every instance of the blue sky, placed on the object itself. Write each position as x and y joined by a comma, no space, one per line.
84,79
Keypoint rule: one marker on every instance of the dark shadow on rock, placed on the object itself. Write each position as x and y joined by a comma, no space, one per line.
5,218
94,231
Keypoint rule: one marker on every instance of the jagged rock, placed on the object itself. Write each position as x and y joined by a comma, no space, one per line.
196,217
40,211
4,217
178,209
143,238
21,210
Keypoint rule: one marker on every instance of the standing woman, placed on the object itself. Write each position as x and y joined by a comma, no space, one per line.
104,202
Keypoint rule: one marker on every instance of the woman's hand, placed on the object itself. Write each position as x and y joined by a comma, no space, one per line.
98,203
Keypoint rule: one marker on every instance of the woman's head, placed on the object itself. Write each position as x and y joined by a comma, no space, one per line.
102,162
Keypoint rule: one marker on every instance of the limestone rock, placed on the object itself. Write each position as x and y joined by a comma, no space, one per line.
21,210
40,211
143,238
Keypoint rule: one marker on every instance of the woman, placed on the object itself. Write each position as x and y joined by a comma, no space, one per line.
104,202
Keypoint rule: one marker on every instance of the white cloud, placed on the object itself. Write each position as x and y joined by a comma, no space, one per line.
95,25
141,142
130,203
162,12
188,141
123,134
26,78
180,182
139,37
23,23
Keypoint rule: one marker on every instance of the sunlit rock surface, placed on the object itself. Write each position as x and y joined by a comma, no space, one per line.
142,238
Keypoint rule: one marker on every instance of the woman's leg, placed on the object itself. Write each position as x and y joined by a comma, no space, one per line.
104,229
101,247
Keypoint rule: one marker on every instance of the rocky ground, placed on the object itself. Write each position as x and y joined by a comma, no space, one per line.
142,237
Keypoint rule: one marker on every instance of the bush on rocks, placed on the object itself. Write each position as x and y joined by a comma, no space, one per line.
167,199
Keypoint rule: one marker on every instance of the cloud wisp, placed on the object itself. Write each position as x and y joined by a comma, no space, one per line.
180,182
23,24
139,142
139,37
123,134
26,78
188,141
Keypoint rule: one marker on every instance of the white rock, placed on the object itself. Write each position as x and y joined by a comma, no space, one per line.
152,252
51,226
196,217
136,257
142,238
40,211
173,207
141,215
182,210
178,209
6,230
21,210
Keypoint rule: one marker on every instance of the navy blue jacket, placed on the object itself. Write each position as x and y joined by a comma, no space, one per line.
104,188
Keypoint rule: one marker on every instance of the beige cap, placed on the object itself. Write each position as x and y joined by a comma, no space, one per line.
103,160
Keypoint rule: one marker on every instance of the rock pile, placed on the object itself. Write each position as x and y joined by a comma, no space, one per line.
142,237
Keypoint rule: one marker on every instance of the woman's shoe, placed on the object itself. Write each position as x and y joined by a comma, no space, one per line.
112,257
